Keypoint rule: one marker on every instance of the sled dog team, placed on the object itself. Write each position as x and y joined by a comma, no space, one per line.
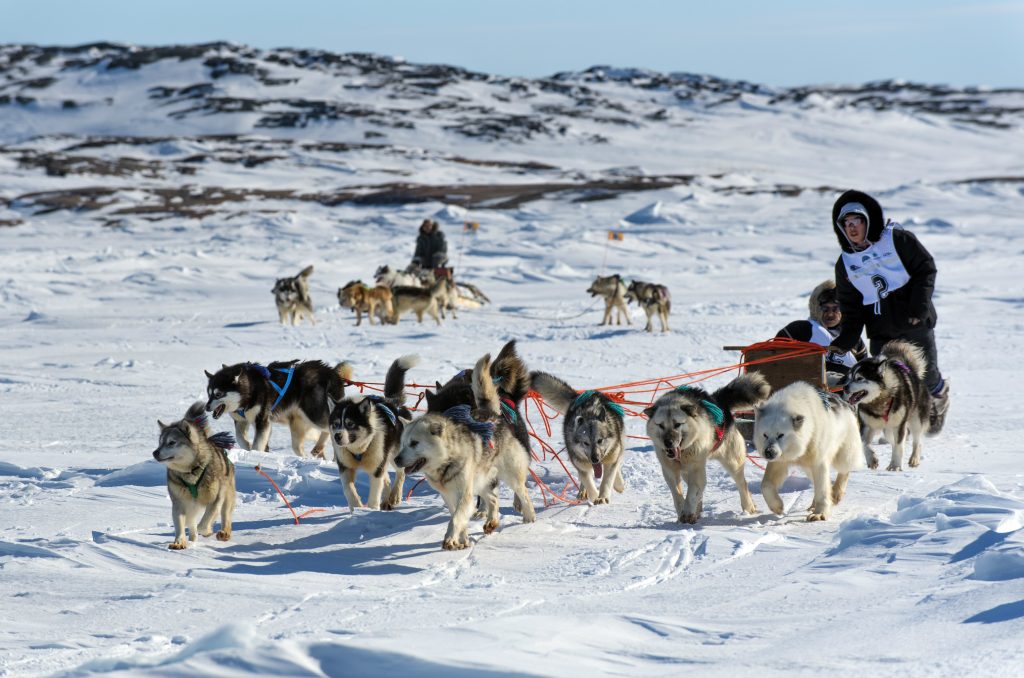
473,436
655,300
395,293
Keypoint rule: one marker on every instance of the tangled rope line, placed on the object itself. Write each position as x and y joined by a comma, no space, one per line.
633,396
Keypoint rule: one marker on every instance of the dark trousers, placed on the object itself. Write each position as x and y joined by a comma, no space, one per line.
925,338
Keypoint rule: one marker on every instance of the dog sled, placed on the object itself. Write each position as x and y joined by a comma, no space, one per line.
781,362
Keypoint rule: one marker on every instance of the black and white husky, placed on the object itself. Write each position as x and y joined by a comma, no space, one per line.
464,458
595,434
200,477
654,299
688,426
289,392
365,432
292,298
889,392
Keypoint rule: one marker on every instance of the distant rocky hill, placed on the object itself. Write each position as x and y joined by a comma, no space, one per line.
171,113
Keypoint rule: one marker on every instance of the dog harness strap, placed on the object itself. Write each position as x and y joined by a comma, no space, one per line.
281,389
461,414
387,411
902,366
193,488
888,409
508,408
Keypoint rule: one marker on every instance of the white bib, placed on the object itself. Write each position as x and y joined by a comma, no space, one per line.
822,336
876,271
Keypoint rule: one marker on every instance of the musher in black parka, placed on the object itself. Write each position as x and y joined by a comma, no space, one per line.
885,279
431,247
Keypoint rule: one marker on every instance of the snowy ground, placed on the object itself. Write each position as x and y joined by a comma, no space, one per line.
106,329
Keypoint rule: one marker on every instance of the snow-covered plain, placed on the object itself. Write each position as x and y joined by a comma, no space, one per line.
106,328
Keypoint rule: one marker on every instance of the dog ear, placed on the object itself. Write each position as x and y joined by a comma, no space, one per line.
208,375
161,424
223,366
649,411
798,421
436,428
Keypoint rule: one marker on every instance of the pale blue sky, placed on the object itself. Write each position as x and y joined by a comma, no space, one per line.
777,42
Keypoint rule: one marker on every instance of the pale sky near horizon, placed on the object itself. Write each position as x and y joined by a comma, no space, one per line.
781,42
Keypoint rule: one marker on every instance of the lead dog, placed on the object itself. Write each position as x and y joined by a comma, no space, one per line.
890,395
289,392
803,426
613,291
362,298
688,426
463,458
655,300
365,432
595,434
292,298
200,477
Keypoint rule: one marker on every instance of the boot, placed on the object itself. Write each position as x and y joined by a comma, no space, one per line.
937,409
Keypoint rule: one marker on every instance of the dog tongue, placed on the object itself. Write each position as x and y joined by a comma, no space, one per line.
598,470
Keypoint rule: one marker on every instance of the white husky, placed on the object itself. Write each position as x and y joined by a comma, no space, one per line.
815,430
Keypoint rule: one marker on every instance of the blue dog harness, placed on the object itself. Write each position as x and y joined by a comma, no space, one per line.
265,373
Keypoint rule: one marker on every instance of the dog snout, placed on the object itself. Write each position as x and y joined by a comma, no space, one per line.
770,452
156,454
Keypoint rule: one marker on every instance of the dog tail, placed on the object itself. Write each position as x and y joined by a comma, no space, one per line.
196,416
306,272
485,394
743,392
510,373
553,390
909,354
394,382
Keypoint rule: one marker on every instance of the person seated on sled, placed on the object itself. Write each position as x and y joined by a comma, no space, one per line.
431,248
822,328
885,279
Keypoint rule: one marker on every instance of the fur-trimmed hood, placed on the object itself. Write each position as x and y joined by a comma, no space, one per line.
826,289
876,219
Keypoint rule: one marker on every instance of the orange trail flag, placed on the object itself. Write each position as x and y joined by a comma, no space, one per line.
471,226
616,235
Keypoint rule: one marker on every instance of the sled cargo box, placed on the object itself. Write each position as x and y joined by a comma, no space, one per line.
783,372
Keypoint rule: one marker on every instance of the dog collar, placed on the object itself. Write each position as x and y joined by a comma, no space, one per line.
193,488
508,409
461,414
716,415
383,408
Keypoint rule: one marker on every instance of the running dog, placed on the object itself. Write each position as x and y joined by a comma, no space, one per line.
803,426
688,426
389,277
282,392
655,300
200,477
362,298
594,431
365,432
462,457
292,298
419,300
613,290
890,395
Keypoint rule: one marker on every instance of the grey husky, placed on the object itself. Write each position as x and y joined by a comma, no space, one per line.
688,426
365,432
595,434
200,477
419,300
289,392
890,395
655,300
613,291
463,458
292,298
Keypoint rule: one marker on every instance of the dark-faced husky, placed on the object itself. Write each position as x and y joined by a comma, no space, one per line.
655,300
365,432
289,392
688,426
890,395
595,434
464,458
200,477
292,298
803,426
613,291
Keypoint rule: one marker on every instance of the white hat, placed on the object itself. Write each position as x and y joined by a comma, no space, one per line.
852,208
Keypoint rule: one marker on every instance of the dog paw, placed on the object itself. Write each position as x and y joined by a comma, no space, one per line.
689,518
914,462
223,535
388,505
178,545
490,526
601,500
873,462
837,496
582,496
454,545
893,467
814,517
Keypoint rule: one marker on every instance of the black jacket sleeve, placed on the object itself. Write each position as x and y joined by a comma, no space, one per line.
921,267
851,305
798,329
